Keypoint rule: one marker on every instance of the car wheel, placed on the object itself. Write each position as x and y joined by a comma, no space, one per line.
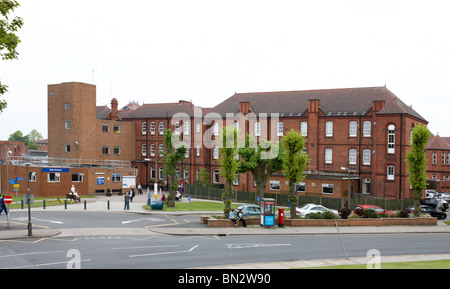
444,216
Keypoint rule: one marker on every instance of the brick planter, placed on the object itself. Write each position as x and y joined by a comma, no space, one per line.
215,223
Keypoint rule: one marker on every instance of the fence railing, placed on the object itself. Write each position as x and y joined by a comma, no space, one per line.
282,198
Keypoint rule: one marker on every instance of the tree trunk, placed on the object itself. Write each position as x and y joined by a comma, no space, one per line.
226,196
293,200
170,200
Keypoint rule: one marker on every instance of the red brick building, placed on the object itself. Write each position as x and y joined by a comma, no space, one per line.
438,164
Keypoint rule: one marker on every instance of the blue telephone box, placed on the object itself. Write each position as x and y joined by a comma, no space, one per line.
267,212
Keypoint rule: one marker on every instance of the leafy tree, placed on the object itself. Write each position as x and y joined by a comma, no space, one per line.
416,160
203,178
228,164
29,139
259,161
172,156
18,136
295,162
8,38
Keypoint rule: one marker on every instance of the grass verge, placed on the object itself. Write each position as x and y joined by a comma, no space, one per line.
434,264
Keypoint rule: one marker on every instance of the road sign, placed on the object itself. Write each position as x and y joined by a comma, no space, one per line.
8,199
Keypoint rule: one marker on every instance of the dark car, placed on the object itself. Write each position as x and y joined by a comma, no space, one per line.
428,210
434,203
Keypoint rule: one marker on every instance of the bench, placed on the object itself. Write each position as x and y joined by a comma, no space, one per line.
73,197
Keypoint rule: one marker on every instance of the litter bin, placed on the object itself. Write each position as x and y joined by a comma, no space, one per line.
280,217
267,212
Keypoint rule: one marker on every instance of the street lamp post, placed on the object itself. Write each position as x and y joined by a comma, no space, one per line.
349,187
30,227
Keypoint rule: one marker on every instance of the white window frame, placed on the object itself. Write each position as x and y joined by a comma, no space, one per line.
67,124
215,152
198,150
53,177
215,176
304,128
257,128
274,185
280,128
328,155
144,128
367,128
152,127
434,159
144,149
328,187
186,128
152,150
391,139
352,156
366,157
161,128
390,173
329,129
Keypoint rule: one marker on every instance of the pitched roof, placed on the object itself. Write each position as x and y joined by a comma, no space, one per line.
344,101
161,110
435,142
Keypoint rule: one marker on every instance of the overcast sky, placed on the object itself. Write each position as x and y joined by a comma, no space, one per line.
206,50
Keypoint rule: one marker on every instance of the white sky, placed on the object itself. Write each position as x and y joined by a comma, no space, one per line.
205,50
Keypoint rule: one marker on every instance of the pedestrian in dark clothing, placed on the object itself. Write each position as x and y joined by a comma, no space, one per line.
127,202
240,216
3,205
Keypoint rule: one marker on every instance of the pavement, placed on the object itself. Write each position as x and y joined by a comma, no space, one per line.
17,230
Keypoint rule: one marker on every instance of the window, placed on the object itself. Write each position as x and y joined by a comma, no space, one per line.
279,128
216,128
304,128
67,124
116,178
177,128
434,160
105,150
236,180
197,130
216,176
390,173
144,128
367,129
443,159
275,185
161,173
391,139
257,129
116,128
152,150
352,129
366,186
152,172
352,156
53,177
328,156
186,173
105,127
186,128
152,128
116,151
77,177
329,129
161,127
198,150
161,149
144,150
448,159
67,105
301,188
327,189
67,148
186,155
216,152
32,176
366,157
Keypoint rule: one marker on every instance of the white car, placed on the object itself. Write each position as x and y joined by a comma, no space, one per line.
312,208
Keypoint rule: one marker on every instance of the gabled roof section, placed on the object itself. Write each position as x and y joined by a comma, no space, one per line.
161,110
437,143
333,102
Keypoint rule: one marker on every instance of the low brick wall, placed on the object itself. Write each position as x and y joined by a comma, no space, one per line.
214,223
362,222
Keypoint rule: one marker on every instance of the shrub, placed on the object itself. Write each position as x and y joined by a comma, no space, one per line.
328,215
359,212
314,216
402,214
344,212
370,213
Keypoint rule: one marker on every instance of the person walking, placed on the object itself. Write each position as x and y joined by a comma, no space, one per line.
3,205
127,202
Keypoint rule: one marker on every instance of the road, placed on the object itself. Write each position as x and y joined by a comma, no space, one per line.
150,250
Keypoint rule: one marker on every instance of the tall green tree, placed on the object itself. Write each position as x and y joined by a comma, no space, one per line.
8,38
295,163
172,157
261,160
416,160
228,164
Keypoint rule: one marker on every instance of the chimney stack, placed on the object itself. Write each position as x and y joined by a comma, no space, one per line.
114,106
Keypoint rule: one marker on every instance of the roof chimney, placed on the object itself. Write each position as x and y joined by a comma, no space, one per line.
378,105
114,106
244,107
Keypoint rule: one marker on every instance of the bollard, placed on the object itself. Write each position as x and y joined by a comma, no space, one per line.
107,204
85,204
65,204
43,204
21,204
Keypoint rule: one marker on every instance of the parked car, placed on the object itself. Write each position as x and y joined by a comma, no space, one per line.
434,203
446,196
312,208
377,209
428,210
249,210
